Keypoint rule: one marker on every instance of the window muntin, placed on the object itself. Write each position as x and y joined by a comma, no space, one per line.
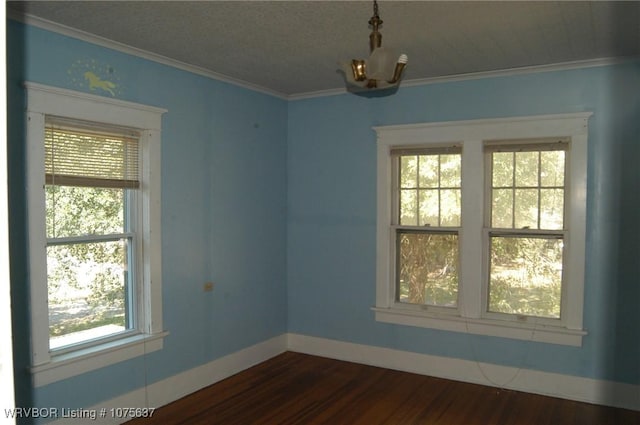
475,137
527,186
428,214
526,233
90,200
430,192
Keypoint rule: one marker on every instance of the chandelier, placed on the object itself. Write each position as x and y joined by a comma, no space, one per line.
383,68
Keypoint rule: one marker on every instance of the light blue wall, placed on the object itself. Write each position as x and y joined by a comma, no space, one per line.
275,201
332,215
223,212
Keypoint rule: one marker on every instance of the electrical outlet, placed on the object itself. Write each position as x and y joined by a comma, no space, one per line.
208,286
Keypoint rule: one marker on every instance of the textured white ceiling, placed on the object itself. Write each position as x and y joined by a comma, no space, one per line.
293,47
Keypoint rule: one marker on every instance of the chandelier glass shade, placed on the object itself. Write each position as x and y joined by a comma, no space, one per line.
384,66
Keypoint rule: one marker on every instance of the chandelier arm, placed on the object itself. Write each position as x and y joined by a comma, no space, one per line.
397,73
359,70
400,66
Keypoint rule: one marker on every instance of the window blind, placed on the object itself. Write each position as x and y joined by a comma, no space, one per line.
442,150
90,157
526,145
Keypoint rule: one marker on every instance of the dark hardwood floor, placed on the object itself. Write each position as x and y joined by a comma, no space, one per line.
296,388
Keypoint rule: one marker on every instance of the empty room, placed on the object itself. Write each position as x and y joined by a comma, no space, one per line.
305,212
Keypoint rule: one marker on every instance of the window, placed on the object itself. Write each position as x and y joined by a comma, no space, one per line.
91,192
426,221
94,231
481,226
526,228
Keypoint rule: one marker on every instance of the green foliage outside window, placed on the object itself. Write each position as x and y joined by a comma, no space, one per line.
527,195
428,269
525,275
430,196
86,279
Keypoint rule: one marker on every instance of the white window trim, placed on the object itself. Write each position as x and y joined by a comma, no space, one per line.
42,101
469,316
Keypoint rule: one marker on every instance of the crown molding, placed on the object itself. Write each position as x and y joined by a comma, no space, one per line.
134,51
554,67
124,48
533,69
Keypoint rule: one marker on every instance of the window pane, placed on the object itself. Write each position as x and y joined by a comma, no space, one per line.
526,276
527,169
88,291
552,169
538,190
429,171
502,208
409,171
526,209
450,167
428,268
78,211
429,207
436,202
409,207
450,207
551,209
502,169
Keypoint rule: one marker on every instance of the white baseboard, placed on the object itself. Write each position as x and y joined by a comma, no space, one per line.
177,386
588,390
576,388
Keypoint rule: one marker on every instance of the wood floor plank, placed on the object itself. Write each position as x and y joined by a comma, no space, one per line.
299,389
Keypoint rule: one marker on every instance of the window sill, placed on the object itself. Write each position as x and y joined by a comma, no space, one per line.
514,330
74,363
